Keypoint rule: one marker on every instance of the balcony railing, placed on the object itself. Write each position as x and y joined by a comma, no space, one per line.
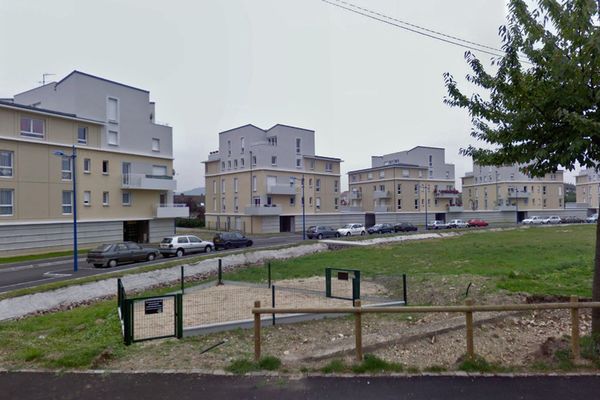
148,182
264,209
281,189
172,211
518,195
381,209
355,195
447,194
382,194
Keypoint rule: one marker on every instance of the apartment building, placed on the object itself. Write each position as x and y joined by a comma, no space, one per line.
416,180
255,181
123,165
587,187
506,188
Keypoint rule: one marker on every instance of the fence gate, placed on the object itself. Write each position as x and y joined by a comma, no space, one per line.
147,318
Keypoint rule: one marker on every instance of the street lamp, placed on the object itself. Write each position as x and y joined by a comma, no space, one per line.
517,204
72,157
292,180
425,189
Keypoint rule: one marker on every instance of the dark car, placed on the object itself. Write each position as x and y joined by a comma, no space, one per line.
571,220
477,223
229,240
381,228
320,232
404,227
112,254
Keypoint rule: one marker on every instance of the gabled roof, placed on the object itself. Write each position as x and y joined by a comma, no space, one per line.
267,130
240,127
100,79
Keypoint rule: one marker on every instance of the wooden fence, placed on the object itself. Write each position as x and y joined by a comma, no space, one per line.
468,309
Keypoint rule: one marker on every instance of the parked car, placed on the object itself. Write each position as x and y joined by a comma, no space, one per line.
571,220
404,227
592,219
229,240
320,232
553,219
437,224
534,220
184,244
458,223
381,228
477,223
112,254
352,230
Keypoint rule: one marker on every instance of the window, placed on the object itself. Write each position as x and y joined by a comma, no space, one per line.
253,160
87,165
235,185
336,203
312,164
430,160
292,201
254,183
242,145
82,135
112,111
214,201
328,167
105,167
298,163
335,186
317,185
229,148
242,161
113,138
416,204
32,127
223,186
318,203
405,172
273,160
416,189
310,182
155,144
105,198
272,141
126,198
298,146
235,163
66,169
235,204
399,189
353,178
382,173
67,202
6,163
399,204
87,198
223,205
420,174
430,173
544,203
6,202
370,175
382,188
229,164
222,165
159,170
543,189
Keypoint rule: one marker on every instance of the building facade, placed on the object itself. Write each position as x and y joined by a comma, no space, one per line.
506,188
123,166
587,187
256,180
417,180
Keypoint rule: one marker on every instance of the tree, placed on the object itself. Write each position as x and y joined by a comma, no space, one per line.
540,108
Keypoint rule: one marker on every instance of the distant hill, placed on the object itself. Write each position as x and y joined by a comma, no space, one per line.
199,191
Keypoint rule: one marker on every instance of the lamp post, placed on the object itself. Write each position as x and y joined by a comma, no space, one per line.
294,179
72,157
425,189
517,204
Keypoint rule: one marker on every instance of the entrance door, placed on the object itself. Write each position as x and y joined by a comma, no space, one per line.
285,223
369,219
136,231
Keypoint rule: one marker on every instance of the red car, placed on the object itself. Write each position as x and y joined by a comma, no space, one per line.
477,222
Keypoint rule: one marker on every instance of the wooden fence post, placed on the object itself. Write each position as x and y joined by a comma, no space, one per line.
257,333
358,330
575,329
469,325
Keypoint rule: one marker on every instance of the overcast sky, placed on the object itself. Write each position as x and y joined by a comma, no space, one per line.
365,87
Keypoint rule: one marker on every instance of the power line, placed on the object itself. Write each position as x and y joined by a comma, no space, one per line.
415,28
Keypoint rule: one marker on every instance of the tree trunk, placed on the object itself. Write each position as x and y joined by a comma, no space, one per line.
596,293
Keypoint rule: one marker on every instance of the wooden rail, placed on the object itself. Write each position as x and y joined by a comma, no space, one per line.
468,309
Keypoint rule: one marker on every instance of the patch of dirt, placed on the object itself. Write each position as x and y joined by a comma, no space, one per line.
418,341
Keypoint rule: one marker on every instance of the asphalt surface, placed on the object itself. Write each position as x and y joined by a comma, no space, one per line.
148,386
34,273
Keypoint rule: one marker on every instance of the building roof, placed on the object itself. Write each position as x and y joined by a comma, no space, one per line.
100,79
386,167
6,104
265,130
324,158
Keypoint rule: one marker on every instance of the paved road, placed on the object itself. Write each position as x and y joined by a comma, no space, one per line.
34,273
84,386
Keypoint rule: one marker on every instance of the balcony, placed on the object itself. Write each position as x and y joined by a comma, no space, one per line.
172,211
382,194
348,209
265,209
456,208
148,182
447,194
518,195
281,189
505,207
355,195
381,209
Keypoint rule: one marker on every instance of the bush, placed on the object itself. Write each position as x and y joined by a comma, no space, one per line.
189,223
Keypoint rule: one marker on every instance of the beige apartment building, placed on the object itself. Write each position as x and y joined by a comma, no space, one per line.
254,181
587,188
417,180
508,189
122,193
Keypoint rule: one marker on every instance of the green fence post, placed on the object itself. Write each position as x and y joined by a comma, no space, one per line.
269,272
327,282
128,322
182,279
405,297
220,274
179,316
356,285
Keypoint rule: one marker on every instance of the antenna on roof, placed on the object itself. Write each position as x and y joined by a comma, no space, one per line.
44,75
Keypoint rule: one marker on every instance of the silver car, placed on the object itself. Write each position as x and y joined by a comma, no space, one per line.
184,244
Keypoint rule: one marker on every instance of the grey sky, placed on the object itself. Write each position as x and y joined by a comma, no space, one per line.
365,87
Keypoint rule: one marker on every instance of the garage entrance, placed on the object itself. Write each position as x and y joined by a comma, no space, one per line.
286,223
136,231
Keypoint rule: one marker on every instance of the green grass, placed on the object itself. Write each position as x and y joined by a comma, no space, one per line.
334,366
373,364
243,366
42,256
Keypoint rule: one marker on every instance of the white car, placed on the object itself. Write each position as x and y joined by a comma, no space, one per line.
437,224
184,244
535,220
457,223
352,230
593,219
553,219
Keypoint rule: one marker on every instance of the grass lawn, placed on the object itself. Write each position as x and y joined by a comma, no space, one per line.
42,256
554,260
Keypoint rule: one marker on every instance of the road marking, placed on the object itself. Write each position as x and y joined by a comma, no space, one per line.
28,282
57,274
30,266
